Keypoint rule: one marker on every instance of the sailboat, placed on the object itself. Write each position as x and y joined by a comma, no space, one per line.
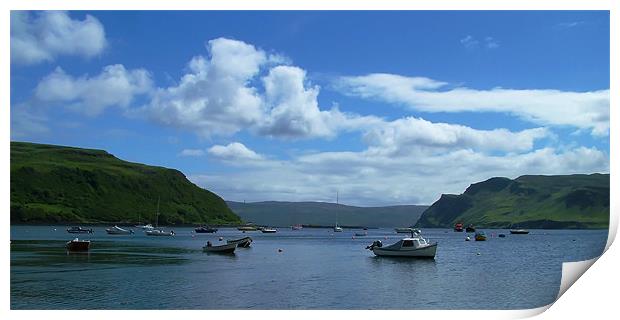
147,226
337,228
155,231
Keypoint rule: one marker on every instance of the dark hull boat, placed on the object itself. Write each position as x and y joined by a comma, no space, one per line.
205,230
79,230
78,245
519,231
225,248
242,243
470,229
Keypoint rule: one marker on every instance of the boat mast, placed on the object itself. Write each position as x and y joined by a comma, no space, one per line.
157,217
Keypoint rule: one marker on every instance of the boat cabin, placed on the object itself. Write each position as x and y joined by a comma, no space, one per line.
413,242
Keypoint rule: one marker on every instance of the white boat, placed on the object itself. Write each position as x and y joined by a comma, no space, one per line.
269,230
158,232
414,247
118,230
337,228
145,227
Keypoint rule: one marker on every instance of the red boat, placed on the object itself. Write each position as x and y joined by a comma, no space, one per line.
458,227
78,245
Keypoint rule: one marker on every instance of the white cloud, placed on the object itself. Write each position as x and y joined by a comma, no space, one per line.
491,43
215,96
220,96
469,42
234,151
408,135
192,153
585,110
114,86
38,37
367,178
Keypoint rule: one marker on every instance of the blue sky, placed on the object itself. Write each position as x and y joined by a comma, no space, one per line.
385,107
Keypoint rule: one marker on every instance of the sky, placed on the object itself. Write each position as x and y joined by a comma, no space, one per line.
381,107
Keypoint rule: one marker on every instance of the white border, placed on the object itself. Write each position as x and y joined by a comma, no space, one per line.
594,295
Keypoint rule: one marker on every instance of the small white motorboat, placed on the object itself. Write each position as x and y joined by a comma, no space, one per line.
159,232
414,247
269,230
337,228
225,248
146,227
116,230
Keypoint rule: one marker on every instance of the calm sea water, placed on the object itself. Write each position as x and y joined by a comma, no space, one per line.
316,269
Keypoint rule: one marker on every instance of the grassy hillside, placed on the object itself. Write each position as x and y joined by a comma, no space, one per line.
320,213
63,184
570,201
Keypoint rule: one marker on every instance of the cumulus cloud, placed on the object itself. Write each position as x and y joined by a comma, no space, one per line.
220,96
584,110
114,86
215,96
234,151
410,134
39,37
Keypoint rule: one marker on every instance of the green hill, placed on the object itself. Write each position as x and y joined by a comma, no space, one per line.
569,201
57,184
279,213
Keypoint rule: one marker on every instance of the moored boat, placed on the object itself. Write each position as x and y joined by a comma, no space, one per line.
247,227
78,245
470,228
116,230
145,227
337,228
225,248
268,230
205,229
159,233
79,230
297,227
403,230
519,231
243,242
414,247
480,236
458,227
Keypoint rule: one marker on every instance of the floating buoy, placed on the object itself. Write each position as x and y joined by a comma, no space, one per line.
221,239
478,253
54,229
467,238
279,250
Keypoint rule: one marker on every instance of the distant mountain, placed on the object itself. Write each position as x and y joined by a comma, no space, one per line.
566,201
275,213
51,184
